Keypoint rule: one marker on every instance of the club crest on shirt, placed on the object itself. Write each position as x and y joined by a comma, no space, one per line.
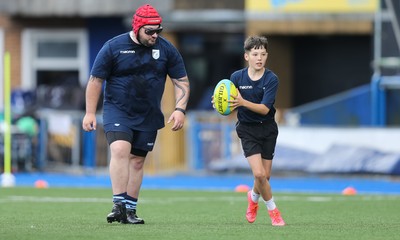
156,53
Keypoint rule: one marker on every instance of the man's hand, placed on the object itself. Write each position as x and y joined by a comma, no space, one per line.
89,122
179,119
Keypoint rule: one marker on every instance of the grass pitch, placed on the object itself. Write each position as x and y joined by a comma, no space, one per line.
74,213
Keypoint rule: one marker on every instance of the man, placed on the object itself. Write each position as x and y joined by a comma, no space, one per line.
134,66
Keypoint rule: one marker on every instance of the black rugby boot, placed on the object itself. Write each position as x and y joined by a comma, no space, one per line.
132,218
118,213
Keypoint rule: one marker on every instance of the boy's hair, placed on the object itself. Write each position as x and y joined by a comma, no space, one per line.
255,42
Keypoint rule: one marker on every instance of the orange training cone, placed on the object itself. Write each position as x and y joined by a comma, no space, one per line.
349,191
242,188
41,184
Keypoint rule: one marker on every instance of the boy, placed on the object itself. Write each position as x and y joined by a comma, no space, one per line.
256,126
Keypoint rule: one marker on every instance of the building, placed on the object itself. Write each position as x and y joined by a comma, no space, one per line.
316,49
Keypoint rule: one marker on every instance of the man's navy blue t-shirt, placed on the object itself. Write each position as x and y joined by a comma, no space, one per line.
135,80
261,91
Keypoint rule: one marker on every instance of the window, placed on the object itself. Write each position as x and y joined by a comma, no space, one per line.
57,49
55,66
54,57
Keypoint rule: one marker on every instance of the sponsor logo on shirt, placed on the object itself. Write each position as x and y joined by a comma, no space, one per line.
126,51
246,87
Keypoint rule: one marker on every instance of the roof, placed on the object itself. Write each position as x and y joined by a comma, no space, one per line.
82,8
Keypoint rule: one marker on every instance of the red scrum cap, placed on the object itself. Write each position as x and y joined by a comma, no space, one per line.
145,15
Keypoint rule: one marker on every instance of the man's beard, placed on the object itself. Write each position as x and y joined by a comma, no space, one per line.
145,43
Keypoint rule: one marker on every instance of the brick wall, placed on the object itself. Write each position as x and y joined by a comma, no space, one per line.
12,44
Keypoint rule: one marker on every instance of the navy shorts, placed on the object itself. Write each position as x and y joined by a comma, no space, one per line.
142,142
258,138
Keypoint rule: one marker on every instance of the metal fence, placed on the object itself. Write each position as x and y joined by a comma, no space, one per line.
210,139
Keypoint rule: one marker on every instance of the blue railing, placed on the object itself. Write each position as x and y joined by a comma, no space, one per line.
349,108
382,99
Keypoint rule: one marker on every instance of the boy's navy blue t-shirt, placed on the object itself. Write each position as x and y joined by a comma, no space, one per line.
135,80
261,91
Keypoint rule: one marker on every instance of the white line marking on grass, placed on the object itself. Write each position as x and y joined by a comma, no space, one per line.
53,199
171,200
107,200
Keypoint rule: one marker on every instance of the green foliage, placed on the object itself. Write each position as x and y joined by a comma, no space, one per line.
73,213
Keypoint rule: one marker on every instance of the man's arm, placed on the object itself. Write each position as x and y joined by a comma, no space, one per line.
182,92
93,92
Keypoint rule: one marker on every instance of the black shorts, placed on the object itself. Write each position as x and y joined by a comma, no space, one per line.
141,142
258,138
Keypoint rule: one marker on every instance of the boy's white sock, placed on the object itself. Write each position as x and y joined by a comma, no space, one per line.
254,196
270,204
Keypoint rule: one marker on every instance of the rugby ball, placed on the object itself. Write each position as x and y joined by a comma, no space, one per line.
222,94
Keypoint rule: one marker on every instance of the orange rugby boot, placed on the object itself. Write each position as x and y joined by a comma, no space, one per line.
276,218
252,208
